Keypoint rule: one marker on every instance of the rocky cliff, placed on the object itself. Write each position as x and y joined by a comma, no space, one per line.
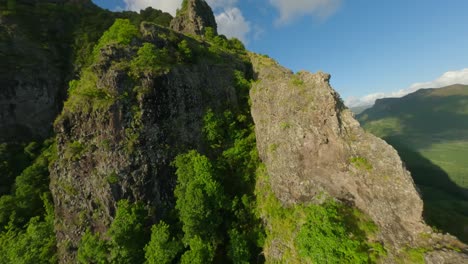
313,148
33,73
123,150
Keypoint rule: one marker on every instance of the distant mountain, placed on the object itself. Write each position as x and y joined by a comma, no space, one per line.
429,128
359,109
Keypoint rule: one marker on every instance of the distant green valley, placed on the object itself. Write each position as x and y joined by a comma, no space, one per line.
429,128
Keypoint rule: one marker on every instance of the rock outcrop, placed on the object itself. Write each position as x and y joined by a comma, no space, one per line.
124,151
313,147
193,18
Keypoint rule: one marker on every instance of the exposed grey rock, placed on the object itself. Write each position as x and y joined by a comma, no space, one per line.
312,146
194,17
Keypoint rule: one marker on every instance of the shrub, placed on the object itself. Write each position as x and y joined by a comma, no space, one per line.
361,163
185,51
150,60
74,150
325,237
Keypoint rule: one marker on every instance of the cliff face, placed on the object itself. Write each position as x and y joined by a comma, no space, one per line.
124,150
313,148
32,80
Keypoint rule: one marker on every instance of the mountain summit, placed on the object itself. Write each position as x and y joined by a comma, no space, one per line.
193,18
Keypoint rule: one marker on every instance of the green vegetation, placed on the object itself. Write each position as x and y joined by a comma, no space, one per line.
74,151
127,238
296,81
327,233
285,125
121,32
150,60
360,163
216,190
162,248
33,244
14,158
26,213
219,43
412,255
199,197
429,130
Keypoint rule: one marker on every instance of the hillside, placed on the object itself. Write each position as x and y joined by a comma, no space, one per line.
161,141
359,109
429,128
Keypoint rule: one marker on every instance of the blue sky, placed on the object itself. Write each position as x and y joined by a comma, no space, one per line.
371,48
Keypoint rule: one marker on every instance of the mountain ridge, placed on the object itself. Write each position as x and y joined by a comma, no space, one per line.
174,147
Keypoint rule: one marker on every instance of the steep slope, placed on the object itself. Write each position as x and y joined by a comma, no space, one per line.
429,130
313,148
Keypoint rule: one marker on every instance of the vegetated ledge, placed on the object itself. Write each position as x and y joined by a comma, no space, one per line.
313,148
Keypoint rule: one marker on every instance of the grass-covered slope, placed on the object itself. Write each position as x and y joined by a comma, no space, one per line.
429,128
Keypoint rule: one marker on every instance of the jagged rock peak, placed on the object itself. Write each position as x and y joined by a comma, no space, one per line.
193,18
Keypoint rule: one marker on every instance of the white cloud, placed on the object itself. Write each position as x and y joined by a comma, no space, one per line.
291,9
169,6
448,78
232,23
215,4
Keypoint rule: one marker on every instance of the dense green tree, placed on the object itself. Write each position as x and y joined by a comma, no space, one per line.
127,233
35,244
200,252
239,251
125,239
24,201
199,197
92,249
162,248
